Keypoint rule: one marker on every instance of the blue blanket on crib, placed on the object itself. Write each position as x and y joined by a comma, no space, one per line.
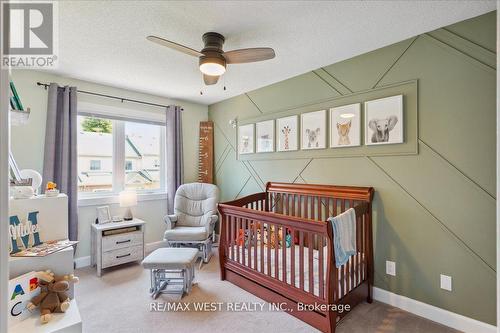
344,236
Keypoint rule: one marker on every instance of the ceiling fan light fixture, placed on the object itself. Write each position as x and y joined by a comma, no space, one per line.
212,66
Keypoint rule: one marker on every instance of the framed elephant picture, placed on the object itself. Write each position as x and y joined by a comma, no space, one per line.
287,129
384,121
313,130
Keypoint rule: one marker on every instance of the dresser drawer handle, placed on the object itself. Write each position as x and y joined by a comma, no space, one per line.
123,256
121,242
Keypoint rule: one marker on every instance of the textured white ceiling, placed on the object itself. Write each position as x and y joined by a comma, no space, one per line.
104,41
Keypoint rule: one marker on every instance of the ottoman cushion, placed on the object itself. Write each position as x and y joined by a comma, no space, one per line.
170,258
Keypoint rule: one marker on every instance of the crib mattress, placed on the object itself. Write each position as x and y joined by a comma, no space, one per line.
277,271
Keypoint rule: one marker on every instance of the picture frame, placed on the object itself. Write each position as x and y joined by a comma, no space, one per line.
103,215
313,130
264,136
384,122
288,130
345,126
246,139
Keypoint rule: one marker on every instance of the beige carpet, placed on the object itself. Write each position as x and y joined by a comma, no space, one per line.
119,302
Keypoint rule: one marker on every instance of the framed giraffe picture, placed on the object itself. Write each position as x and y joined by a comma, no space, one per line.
288,138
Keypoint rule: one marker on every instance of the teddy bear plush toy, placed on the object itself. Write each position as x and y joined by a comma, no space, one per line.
53,297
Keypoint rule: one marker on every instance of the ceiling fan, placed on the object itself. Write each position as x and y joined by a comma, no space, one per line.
212,59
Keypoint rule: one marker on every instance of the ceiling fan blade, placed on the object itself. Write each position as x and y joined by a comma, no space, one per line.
242,56
210,79
174,46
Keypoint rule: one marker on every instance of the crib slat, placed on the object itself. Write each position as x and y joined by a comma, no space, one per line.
276,252
301,260
319,218
365,246
292,259
320,269
285,202
262,247
310,246
243,246
306,208
268,238
234,236
356,257
249,242
238,238
299,208
255,245
227,237
342,280
283,254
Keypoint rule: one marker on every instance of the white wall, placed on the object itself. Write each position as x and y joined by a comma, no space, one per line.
28,141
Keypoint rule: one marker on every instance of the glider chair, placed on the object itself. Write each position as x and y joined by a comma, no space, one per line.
194,218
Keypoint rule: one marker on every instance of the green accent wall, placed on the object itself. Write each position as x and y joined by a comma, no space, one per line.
434,211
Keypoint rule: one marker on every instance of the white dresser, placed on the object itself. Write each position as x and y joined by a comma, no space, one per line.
117,243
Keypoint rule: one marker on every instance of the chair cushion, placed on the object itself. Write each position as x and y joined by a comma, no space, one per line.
170,258
187,234
195,203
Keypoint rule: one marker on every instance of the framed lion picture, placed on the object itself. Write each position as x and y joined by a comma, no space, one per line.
313,130
384,121
345,126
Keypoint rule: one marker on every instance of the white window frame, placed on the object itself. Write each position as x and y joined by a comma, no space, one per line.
119,117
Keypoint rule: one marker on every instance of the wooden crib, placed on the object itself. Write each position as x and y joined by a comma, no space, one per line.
277,245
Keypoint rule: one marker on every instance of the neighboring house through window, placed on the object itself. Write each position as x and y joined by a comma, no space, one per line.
95,165
105,143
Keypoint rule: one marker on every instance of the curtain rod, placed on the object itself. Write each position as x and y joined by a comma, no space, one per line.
122,99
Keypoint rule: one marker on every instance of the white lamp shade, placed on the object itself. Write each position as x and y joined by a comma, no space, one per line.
128,198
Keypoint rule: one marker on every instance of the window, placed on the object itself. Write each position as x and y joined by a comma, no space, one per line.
95,154
95,165
142,146
104,144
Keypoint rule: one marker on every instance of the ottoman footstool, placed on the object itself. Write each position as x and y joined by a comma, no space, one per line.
171,266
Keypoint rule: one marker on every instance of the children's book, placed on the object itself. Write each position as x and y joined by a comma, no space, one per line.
21,290
45,248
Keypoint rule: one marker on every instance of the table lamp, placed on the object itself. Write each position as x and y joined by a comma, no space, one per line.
128,199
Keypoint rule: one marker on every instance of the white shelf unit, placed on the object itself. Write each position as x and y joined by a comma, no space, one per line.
53,223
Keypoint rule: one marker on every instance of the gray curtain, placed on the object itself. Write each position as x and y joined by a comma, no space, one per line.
60,158
175,165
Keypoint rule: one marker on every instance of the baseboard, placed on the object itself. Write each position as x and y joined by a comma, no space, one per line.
82,262
444,317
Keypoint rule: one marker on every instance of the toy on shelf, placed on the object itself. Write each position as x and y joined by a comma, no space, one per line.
53,297
51,190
